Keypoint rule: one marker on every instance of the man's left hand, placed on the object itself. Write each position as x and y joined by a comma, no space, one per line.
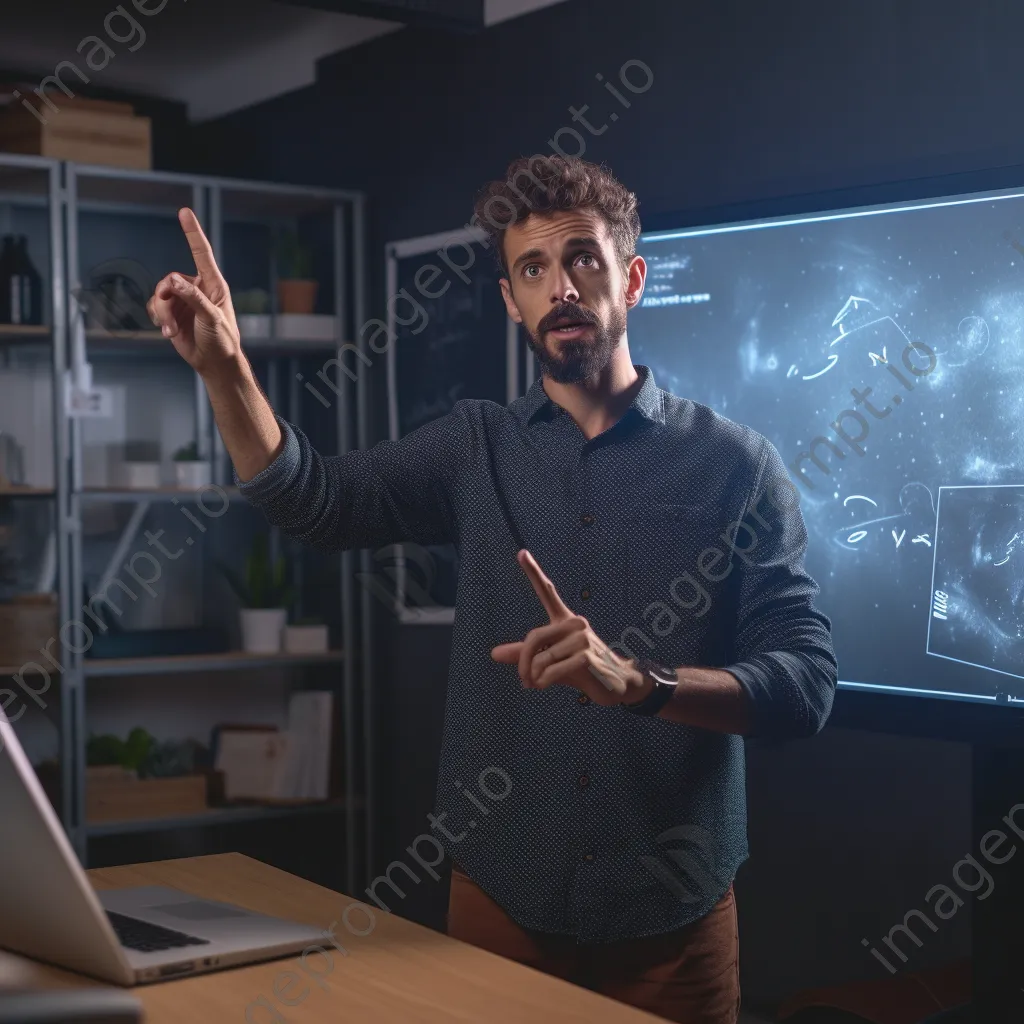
568,652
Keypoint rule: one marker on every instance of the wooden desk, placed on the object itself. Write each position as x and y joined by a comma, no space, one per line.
399,972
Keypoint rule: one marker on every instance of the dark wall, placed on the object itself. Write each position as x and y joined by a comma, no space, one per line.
749,101
767,106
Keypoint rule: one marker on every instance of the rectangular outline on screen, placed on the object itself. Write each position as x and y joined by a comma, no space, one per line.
395,251
931,594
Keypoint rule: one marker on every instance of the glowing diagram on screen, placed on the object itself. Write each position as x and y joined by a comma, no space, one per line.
977,613
908,525
809,321
868,318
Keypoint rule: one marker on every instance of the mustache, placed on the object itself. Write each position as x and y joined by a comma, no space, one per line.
566,311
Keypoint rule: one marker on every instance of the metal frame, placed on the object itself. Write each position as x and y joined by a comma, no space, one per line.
395,251
65,206
359,309
53,200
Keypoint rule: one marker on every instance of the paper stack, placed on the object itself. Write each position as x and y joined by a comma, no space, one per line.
305,769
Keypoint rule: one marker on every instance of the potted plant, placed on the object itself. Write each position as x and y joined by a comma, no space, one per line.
296,287
190,470
264,595
142,778
306,636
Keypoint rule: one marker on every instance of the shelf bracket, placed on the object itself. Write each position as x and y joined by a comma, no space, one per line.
127,537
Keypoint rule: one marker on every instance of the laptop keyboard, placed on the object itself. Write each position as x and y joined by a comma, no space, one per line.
149,938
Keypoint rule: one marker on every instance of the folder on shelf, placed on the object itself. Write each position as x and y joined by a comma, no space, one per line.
305,771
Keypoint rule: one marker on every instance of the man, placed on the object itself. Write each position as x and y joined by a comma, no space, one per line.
610,690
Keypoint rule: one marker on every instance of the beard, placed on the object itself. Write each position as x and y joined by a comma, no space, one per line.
578,359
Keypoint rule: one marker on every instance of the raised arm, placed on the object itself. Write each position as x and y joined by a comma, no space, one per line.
195,312
395,491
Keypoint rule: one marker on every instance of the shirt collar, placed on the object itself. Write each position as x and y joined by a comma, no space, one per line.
647,402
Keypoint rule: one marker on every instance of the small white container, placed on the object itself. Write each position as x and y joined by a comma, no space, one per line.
141,476
253,326
193,475
305,639
262,629
306,327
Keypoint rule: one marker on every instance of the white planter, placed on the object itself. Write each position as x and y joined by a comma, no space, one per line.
253,326
139,475
262,628
192,475
306,327
305,639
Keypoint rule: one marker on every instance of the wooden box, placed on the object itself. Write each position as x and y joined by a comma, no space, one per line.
27,625
113,794
86,131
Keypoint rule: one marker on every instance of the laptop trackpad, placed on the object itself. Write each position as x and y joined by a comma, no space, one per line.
198,910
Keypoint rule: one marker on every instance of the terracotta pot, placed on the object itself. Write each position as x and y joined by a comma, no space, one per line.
296,296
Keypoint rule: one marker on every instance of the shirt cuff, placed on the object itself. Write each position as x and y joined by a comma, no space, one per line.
278,476
790,693
772,713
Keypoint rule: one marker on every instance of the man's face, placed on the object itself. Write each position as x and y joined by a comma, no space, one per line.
567,287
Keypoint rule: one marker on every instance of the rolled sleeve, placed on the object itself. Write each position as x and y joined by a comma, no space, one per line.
782,648
270,483
393,492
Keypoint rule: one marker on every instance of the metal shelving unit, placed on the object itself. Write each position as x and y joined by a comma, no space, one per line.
228,661
68,191
215,816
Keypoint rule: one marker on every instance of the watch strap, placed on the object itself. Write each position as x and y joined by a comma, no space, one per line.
659,695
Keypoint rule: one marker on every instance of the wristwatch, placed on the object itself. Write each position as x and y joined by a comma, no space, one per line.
665,683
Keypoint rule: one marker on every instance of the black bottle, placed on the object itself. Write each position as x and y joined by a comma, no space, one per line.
9,281
31,283
21,285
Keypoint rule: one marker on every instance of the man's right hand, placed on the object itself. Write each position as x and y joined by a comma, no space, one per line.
195,311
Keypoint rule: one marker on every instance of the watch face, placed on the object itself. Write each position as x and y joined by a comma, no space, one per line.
660,673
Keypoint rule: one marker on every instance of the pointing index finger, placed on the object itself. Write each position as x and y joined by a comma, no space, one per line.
545,589
202,251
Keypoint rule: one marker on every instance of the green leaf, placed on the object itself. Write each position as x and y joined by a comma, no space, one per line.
265,584
137,748
105,749
187,453
294,257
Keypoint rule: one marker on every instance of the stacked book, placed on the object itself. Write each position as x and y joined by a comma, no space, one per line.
305,769
262,763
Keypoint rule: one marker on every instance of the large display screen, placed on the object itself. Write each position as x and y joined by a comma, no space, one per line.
882,351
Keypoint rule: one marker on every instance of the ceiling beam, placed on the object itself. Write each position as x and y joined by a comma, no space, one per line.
460,15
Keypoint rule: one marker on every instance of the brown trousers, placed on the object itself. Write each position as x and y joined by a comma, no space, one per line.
690,975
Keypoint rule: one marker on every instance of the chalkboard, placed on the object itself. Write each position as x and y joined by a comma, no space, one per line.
452,339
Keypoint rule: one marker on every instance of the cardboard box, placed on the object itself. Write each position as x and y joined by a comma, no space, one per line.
86,131
27,625
113,794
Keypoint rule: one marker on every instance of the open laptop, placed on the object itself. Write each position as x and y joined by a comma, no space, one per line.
49,911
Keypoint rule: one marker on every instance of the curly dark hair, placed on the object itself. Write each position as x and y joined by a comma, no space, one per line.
554,183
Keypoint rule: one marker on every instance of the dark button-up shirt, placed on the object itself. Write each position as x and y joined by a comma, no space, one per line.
678,534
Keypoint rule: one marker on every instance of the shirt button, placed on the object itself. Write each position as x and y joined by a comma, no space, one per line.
587,519
584,781
582,699
588,856
585,594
